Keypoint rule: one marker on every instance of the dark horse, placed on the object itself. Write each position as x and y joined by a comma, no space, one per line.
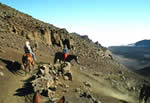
60,56
144,93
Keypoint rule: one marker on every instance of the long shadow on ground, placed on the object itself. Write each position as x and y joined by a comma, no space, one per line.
26,91
12,66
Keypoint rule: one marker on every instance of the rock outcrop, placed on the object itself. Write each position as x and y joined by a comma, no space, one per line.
46,79
32,29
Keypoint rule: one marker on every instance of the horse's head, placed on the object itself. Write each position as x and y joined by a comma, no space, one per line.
62,100
72,57
36,98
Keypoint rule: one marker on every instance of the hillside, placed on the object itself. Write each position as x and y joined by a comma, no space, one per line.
96,77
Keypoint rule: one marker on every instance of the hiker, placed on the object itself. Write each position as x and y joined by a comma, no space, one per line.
144,93
65,51
27,49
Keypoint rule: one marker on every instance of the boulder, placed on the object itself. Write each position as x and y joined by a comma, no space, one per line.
87,84
66,68
66,71
66,78
44,69
1,67
57,66
1,74
42,72
51,94
78,90
42,83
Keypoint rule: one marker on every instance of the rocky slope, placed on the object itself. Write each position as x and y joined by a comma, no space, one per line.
96,77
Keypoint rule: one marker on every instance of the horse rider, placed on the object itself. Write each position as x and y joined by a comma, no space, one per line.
65,51
27,49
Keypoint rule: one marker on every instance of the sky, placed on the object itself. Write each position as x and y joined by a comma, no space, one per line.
111,22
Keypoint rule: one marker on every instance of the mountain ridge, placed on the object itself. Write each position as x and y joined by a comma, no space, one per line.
136,53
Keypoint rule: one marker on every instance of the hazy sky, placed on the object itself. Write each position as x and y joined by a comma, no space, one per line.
111,22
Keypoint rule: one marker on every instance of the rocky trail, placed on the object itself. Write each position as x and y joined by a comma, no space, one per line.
99,88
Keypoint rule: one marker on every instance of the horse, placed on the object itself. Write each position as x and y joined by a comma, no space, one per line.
36,98
28,62
144,93
60,56
62,100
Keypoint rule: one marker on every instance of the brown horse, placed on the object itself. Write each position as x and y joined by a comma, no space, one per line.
28,62
36,98
62,100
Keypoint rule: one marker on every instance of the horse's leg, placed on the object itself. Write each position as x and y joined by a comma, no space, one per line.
145,99
140,100
25,66
30,65
64,57
33,64
23,63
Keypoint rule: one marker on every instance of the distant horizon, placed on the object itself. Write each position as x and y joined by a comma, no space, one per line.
110,22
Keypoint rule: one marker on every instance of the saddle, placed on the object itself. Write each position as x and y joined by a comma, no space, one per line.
27,55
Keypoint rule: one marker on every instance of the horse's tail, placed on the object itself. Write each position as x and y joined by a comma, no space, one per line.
75,58
36,98
23,59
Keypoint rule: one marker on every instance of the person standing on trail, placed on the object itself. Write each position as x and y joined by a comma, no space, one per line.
27,49
65,51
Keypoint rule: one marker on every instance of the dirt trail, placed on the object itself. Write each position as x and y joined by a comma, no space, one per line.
100,87
13,79
9,86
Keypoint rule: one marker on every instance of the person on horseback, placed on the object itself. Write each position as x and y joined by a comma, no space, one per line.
27,49
65,51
